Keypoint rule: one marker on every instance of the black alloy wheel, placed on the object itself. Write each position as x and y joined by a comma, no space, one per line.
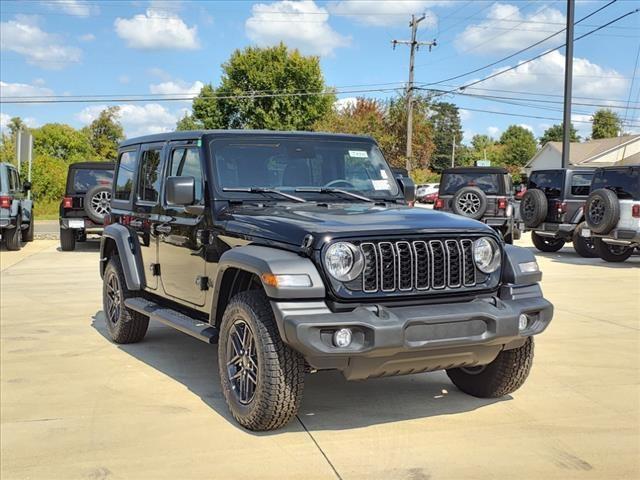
242,362
113,298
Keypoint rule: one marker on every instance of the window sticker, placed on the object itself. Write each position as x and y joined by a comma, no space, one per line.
383,174
380,184
358,154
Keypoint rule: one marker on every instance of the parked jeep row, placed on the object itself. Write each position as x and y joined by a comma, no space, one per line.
16,209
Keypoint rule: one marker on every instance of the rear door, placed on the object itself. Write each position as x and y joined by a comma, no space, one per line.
180,251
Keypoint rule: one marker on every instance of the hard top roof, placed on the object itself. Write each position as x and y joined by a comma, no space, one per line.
104,165
498,170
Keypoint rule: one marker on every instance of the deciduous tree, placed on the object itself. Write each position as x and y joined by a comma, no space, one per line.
555,134
105,133
606,124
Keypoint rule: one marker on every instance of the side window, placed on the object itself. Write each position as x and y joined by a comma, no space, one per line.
126,172
185,162
580,183
149,182
12,179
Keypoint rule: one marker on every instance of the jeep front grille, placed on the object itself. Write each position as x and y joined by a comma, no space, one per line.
405,266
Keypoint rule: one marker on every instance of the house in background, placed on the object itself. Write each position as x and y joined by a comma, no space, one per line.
594,153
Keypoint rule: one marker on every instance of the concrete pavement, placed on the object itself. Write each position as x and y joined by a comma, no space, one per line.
74,405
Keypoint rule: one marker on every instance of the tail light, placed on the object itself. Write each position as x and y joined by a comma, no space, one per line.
502,203
635,211
439,204
107,219
562,207
5,202
67,202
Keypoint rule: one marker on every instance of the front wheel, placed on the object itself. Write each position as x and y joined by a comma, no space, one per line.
611,253
262,378
546,244
501,377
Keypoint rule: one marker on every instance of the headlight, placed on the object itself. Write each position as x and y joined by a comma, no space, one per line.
486,254
343,261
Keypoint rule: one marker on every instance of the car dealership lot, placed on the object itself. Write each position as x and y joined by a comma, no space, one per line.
74,405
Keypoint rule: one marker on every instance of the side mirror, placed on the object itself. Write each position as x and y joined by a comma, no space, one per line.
408,189
26,186
180,190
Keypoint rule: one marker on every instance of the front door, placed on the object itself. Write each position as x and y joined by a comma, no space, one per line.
180,251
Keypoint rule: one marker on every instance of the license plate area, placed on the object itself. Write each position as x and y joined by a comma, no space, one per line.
586,233
78,223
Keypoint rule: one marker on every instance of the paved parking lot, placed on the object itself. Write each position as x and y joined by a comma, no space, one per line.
75,405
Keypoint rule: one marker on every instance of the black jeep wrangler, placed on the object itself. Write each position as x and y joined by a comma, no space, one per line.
613,212
16,209
553,209
480,193
86,202
296,252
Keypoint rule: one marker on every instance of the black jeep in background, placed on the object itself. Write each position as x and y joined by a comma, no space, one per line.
16,209
480,193
86,202
297,252
553,209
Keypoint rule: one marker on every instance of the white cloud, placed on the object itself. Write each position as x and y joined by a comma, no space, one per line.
177,87
46,50
502,31
5,118
156,30
87,37
526,127
302,25
136,119
493,132
24,89
384,12
344,103
73,7
4,121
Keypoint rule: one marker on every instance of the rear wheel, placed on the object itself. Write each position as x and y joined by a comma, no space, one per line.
14,238
583,246
262,378
27,234
67,239
611,253
547,244
501,377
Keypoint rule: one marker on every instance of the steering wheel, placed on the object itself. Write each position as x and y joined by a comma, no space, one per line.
335,183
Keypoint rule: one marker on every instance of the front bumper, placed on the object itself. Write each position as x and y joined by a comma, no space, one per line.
399,340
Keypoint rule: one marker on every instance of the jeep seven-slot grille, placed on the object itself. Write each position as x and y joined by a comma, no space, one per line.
417,265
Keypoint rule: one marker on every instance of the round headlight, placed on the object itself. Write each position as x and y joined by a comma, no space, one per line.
343,261
486,254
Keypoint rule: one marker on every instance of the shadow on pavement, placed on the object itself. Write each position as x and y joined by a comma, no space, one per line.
568,256
89,245
330,402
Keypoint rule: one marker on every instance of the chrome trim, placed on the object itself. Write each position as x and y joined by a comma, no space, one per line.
376,267
444,265
450,284
393,251
399,267
426,252
464,263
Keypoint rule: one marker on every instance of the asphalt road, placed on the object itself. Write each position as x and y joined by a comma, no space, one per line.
74,405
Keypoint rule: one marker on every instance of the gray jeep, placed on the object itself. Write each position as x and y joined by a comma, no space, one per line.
16,210
297,252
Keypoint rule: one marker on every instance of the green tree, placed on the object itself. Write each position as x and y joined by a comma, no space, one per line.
269,72
555,133
105,133
63,142
15,124
482,142
519,146
606,124
447,130
188,122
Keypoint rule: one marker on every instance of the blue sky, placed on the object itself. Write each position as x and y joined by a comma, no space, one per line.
133,49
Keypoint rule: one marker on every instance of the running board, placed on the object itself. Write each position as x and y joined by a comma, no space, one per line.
200,330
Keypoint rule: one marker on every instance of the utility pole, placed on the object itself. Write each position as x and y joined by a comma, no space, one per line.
453,152
414,46
568,80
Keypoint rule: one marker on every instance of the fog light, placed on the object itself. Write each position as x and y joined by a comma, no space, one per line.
342,338
522,321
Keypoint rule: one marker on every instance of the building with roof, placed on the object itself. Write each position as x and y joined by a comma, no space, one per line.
594,153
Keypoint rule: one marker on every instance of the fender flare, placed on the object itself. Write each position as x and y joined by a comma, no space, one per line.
512,273
578,216
27,210
128,249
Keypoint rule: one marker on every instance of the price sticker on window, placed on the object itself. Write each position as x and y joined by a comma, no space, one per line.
358,154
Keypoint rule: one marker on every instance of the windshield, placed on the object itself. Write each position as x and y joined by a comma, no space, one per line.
549,182
288,164
625,182
84,180
452,182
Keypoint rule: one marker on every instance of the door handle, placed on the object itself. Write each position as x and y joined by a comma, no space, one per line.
164,229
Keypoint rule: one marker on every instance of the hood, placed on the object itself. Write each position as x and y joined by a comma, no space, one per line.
290,223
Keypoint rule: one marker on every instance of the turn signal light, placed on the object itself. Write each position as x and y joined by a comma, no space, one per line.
5,202
438,204
67,202
635,211
502,203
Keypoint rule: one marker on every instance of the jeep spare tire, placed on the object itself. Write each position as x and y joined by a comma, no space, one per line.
97,203
602,210
470,202
533,207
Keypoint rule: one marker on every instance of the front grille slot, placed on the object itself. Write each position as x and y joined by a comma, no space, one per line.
419,265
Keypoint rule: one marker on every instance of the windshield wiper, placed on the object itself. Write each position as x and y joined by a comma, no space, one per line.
334,190
263,190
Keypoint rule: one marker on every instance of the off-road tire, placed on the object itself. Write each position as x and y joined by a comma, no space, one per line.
473,191
602,211
547,244
67,239
280,378
94,215
27,234
14,238
501,377
533,207
583,246
129,326
608,252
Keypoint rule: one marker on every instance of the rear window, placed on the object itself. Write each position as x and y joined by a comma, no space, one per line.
625,182
549,182
580,183
452,182
85,179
